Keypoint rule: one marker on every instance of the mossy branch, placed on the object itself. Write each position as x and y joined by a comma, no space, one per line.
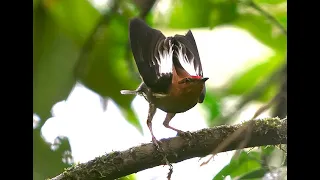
269,131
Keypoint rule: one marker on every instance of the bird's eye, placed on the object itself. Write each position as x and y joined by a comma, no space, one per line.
185,80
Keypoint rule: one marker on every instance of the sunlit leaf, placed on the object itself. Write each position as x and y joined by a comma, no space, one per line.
282,18
129,177
104,68
270,1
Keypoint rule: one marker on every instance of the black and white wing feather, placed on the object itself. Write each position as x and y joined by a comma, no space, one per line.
187,52
188,55
153,53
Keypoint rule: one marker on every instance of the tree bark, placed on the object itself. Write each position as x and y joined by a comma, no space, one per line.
269,131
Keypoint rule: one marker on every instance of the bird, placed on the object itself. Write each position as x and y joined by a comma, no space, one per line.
170,69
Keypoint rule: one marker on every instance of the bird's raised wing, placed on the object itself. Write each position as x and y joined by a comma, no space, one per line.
188,54
152,52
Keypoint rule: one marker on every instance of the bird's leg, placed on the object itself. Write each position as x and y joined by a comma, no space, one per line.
151,113
167,121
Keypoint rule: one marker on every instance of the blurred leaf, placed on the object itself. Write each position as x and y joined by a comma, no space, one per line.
223,12
246,162
129,177
53,63
207,13
47,163
270,1
281,18
104,68
132,118
35,4
267,150
129,8
270,35
76,17
256,174
212,104
54,57
190,13
249,79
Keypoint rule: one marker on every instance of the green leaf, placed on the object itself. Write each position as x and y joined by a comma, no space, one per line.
223,12
207,13
249,79
270,1
129,8
54,59
76,17
212,104
281,17
263,30
181,16
47,163
35,4
256,174
244,163
267,150
104,69
129,177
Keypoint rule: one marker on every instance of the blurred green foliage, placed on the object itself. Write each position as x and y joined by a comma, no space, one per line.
247,165
73,41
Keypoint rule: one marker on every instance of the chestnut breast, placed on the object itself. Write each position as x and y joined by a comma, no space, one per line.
180,98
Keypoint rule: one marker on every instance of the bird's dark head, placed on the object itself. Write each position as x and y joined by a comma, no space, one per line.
193,80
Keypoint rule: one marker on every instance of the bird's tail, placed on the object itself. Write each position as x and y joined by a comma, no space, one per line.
128,92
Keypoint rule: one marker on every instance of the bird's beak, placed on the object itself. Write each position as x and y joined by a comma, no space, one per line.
204,79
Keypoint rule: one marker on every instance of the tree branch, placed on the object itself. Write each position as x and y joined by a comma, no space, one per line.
269,131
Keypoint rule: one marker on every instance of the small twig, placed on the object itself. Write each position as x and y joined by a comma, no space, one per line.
268,16
255,93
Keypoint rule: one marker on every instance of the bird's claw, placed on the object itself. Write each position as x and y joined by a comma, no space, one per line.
156,143
184,134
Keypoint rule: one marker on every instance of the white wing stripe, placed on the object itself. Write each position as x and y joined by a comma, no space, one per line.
185,63
165,61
